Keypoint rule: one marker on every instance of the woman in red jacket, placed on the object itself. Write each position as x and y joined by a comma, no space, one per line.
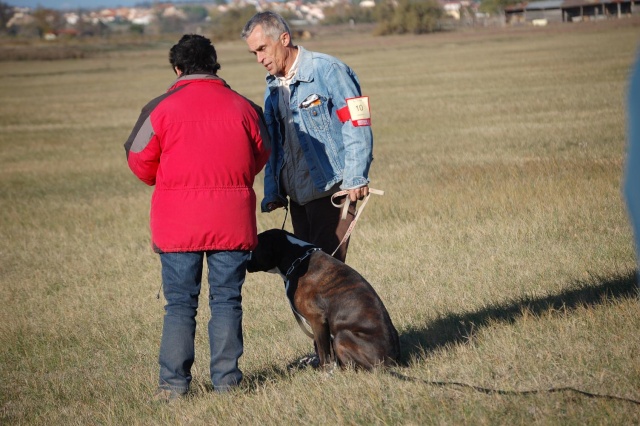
201,144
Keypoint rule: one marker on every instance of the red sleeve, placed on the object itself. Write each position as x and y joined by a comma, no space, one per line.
144,164
143,145
262,141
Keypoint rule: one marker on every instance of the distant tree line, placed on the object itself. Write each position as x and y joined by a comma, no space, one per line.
408,17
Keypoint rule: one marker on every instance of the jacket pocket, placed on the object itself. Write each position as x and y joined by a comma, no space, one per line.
315,113
323,144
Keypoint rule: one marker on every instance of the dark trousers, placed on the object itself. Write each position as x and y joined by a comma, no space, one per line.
318,222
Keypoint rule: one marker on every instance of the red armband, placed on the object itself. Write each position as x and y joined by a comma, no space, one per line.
357,111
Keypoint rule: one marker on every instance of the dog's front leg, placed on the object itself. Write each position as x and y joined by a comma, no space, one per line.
322,339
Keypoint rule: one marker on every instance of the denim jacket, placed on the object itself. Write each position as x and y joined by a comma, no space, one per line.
336,152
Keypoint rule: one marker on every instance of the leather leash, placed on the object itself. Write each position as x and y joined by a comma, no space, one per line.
345,209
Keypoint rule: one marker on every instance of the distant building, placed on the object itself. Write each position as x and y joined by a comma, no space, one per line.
546,11
580,10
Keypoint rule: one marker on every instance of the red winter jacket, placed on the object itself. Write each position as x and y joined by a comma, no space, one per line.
201,144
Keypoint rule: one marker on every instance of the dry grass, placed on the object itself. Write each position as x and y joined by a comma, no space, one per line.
501,247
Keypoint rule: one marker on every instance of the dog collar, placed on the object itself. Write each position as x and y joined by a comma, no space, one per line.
299,260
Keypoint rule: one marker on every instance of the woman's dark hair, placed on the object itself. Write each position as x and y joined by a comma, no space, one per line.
194,54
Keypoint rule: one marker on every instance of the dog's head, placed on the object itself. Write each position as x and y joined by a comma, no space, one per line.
267,253
276,249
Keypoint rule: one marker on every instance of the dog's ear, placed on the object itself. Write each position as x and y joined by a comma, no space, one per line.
265,256
271,243
273,239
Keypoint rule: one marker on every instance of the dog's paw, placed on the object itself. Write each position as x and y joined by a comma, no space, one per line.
306,361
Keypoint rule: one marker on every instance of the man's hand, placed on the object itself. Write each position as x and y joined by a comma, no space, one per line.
274,205
358,193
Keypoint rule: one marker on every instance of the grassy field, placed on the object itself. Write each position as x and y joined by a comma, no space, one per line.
501,247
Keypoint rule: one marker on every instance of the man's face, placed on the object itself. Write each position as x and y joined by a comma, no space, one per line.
272,54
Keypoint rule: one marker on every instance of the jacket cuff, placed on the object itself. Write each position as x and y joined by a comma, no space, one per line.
272,199
354,183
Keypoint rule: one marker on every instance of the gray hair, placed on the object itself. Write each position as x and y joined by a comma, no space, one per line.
272,24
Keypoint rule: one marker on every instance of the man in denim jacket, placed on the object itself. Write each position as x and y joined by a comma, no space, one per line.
319,124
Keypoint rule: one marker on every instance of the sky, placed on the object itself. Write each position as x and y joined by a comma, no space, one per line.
70,4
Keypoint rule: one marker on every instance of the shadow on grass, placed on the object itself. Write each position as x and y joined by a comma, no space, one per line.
459,327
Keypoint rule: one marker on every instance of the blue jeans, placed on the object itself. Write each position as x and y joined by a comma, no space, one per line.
181,279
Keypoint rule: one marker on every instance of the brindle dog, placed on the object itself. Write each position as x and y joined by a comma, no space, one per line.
349,322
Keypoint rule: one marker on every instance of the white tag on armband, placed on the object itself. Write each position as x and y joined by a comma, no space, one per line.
359,111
